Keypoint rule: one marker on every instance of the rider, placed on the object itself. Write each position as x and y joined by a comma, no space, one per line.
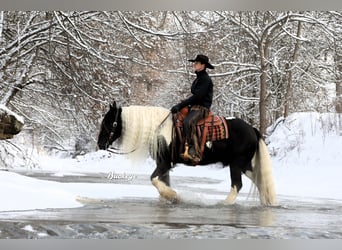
199,105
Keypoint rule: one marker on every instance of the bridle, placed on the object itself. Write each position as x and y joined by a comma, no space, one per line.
113,128
111,132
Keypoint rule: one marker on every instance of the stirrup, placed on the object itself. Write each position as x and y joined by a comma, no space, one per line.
185,155
192,157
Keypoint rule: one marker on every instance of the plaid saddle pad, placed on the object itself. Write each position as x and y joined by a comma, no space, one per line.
212,128
213,131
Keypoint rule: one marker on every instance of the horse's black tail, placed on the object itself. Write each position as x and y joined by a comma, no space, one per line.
262,172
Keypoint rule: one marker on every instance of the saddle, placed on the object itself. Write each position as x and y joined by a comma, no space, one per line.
212,128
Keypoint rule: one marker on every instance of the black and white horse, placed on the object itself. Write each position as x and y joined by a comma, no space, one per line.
148,130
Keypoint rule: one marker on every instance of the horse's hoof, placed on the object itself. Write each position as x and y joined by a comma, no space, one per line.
175,200
164,190
227,202
193,158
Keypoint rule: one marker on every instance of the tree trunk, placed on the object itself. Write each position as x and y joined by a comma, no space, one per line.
338,105
1,24
338,61
263,99
288,92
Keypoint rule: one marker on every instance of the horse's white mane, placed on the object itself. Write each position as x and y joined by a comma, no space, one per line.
140,127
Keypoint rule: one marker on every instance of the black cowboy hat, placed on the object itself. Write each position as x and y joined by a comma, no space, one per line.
204,60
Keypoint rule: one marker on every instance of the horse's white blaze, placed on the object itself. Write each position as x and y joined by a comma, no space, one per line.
262,175
140,127
164,190
232,195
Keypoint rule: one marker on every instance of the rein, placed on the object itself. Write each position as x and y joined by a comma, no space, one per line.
162,122
118,152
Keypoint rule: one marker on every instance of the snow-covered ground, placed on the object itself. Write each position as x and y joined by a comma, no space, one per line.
306,156
306,151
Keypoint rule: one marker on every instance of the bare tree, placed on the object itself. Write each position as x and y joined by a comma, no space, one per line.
289,70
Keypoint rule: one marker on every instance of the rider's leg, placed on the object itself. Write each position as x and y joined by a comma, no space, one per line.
191,149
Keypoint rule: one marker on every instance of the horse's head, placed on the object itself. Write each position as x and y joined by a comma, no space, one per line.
111,127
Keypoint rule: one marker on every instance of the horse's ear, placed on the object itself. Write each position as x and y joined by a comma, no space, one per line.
113,106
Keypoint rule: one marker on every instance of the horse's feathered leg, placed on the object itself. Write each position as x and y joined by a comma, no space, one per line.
162,175
164,190
232,195
236,183
160,178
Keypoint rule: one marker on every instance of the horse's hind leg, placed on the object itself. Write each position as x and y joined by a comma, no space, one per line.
236,183
248,171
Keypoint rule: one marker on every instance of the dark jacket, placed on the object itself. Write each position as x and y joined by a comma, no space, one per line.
202,91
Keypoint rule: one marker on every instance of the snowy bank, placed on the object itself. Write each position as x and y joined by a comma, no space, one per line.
306,138
25,193
306,154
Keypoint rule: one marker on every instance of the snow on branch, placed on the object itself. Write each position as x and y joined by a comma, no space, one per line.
146,30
